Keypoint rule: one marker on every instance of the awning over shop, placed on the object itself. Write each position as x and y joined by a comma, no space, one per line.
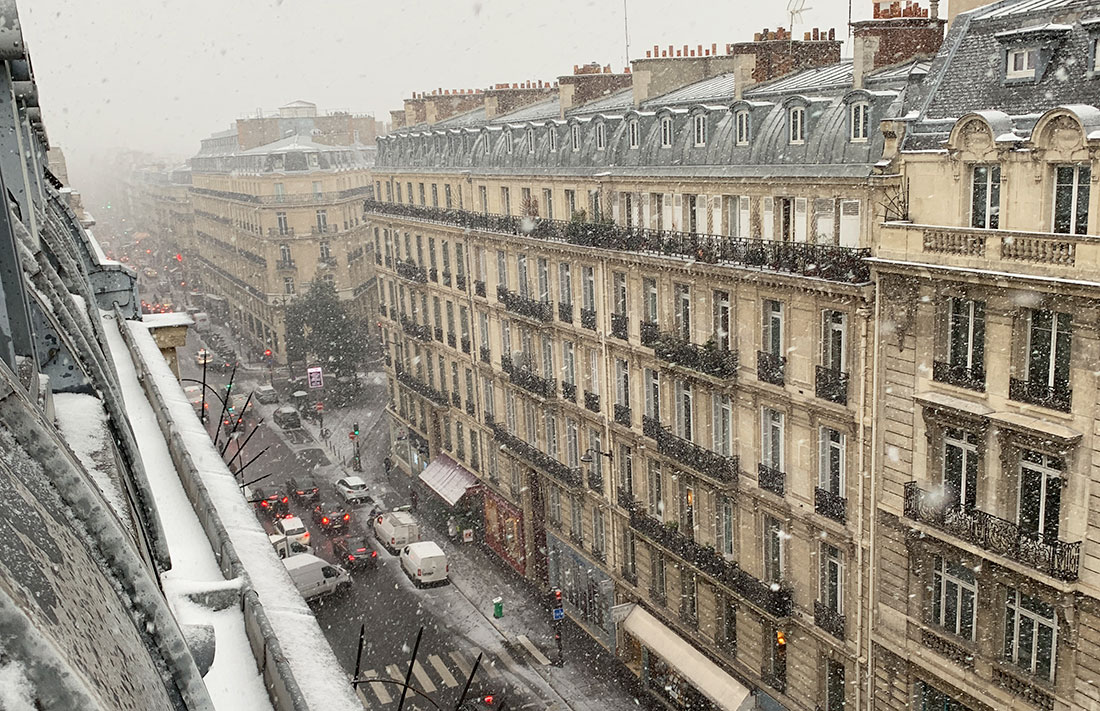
705,675
448,478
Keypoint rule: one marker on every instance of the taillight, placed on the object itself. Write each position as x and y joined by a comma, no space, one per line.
393,541
285,500
305,536
489,700
300,492
447,568
418,573
324,520
374,554
350,557
263,504
347,517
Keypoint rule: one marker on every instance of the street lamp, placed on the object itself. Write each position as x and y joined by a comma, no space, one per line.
587,457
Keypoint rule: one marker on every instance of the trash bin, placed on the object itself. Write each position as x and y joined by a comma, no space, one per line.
498,607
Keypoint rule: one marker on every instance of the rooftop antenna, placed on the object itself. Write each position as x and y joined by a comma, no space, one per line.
795,8
626,34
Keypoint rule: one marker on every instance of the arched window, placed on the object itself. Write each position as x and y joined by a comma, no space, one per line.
859,119
634,131
699,123
575,137
666,132
744,127
796,125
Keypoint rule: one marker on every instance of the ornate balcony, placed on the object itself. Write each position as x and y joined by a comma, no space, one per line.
831,385
411,272
438,333
1055,397
595,481
950,650
1047,554
565,312
622,415
771,479
588,319
568,391
433,274
456,399
592,401
486,354
470,410
830,262
479,288
286,265
830,505
452,340
829,619
330,262
619,328
420,388
528,380
465,343
708,463
526,306
959,375
460,282
649,332
531,454
708,359
770,368
446,278
415,330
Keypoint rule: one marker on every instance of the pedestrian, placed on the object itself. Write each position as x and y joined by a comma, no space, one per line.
388,464
413,498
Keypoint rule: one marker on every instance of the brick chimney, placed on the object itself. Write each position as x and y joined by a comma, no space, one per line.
589,82
901,30
397,119
505,98
439,104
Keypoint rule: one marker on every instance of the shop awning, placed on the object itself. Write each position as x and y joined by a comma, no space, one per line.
705,675
448,478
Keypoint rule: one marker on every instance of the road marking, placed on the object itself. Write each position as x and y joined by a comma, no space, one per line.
426,684
463,665
378,689
395,673
442,670
533,650
487,663
505,657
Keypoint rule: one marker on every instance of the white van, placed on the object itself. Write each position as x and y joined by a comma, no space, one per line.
315,577
425,562
395,529
287,547
202,321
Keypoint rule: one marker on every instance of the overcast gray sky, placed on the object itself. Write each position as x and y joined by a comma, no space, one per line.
158,76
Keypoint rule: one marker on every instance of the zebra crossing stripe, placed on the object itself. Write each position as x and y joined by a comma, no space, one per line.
463,665
487,663
533,650
395,673
378,689
426,684
442,670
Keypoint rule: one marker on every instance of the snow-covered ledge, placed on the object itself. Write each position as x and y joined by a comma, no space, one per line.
298,665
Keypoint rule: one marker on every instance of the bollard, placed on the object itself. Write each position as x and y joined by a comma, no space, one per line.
498,607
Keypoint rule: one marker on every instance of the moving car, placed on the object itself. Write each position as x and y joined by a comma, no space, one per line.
293,528
425,562
267,395
272,503
354,552
395,529
303,488
315,577
286,547
205,357
331,517
287,418
353,489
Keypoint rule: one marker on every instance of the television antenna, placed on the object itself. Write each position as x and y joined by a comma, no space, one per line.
795,8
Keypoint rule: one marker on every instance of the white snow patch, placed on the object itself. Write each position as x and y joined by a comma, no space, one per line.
16,690
83,421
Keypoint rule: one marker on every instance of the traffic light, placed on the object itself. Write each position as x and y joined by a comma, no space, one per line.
356,430
179,257
267,353
555,598
489,700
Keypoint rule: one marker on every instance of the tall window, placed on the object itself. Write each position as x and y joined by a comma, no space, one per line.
565,284
555,505
568,363
774,538
505,201
954,595
722,425
1049,342
796,125
281,221
831,469
575,137
548,203
1040,502
689,589
284,253
655,491
288,285
551,138
726,526
743,128
985,196
622,382
966,346
542,268
772,339
777,657
635,133
834,344
1071,198
599,533
483,198
960,468
771,453
699,124
835,689
652,393
682,304
683,403
860,121
666,132
601,136
618,289
572,443
588,288
832,578
626,470
1031,634
649,294
721,319
322,221
502,270
658,583
529,135
447,202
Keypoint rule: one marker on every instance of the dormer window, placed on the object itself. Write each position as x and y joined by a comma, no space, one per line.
1021,63
509,140
488,144
744,128
666,132
552,138
859,119
601,136
530,140
796,125
575,137
699,124
634,131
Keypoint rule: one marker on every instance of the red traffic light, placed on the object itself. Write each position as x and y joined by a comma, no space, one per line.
179,257
489,700
557,594
347,517
324,520
267,353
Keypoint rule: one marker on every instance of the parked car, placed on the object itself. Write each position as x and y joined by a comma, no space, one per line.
425,562
353,489
395,529
303,488
286,547
354,552
293,528
331,517
315,577
267,395
205,357
287,418
202,321
271,503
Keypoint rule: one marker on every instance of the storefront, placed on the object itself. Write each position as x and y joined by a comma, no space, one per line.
408,447
677,673
454,496
504,531
588,591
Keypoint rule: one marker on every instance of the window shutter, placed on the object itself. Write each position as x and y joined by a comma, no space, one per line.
800,219
769,218
744,217
849,223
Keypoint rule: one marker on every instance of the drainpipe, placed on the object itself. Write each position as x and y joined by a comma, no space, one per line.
860,594
876,391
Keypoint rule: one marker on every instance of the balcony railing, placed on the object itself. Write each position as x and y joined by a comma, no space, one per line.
531,454
1055,397
775,600
831,385
438,332
460,282
708,359
622,414
592,401
771,479
717,466
588,319
528,380
972,378
433,274
479,288
456,399
834,263
276,232
1048,554
416,330
830,505
452,340
526,306
829,619
412,272
649,332
329,261
595,481
465,343
285,265
446,278
424,389
569,391
565,312
470,410
619,327
956,653
486,354
770,368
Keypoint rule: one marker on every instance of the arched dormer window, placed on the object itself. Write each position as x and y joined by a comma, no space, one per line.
796,125
859,121
742,121
530,133
634,131
575,137
508,140
552,137
666,131
699,129
488,143
601,135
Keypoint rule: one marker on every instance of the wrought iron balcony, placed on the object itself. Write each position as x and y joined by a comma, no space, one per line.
420,388
286,265
465,343
470,408
829,619
956,653
569,391
770,368
1055,397
622,414
565,312
329,261
1047,554
416,330
830,505
378,258
708,359
433,274
831,385
452,340
456,399
571,477
771,479
619,328
592,401
486,354
479,288
438,332
526,306
446,278
411,272
595,481
532,382
960,375
588,319
830,262
708,463
649,332
774,600
460,282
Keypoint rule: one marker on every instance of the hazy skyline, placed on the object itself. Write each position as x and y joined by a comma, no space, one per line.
159,77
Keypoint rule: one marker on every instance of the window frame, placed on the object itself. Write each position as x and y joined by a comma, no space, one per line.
699,129
743,126
1016,611
796,125
859,121
634,133
947,578
668,133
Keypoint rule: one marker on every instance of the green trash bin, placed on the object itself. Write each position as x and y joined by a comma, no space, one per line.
498,607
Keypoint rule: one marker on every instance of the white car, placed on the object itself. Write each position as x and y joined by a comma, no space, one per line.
353,489
293,528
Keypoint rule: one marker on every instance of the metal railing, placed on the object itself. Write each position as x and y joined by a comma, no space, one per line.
416,330
588,319
622,414
708,359
528,380
770,368
830,505
726,469
526,306
619,328
972,378
565,312
771,479
1055,397
829,619
285,265
571,477
569,391
831,385
592,401
479,288
650,332
412,272
420,388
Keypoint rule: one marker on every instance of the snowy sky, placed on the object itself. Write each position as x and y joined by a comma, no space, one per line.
158,76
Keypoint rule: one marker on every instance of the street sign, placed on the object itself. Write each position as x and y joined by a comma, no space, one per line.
320,407
315,378
559,614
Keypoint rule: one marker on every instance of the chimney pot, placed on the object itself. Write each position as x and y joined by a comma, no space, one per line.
699,51
727,47
648,53
692,53
832,34
656,51
706,52
670,51
714,49
685,50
